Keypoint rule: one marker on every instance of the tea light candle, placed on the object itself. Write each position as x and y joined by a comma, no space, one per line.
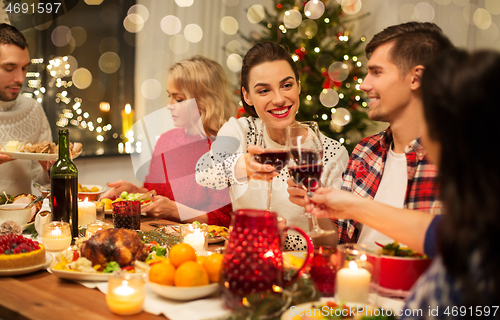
125,296
86,212
96,226
353,284
56,236
196,240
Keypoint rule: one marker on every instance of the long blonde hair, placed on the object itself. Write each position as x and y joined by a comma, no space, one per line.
205,81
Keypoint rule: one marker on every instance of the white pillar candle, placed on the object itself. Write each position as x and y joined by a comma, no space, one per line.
196,240
353,284
86,212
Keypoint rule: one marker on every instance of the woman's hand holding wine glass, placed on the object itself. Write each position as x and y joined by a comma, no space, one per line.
306,164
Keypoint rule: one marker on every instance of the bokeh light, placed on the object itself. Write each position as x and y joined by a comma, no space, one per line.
329,98
491,34
233,46
493,6
93,2
442,2
140,10
95,92
338,71
79,34
323,62
71,65
314,9
482,18
109,44
407,12
184,3
170,25
231,3
460,2
308,29
193,33
351,7
82,78
256,13
151,89
109,62
133,23
178,44
61,36
468,13
341,116
234,62
42,21
111,14
292,19
424,12
229,25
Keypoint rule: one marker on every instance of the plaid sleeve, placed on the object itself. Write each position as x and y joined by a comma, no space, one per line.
347,228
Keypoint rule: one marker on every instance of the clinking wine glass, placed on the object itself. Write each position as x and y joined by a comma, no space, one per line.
306,164
274,139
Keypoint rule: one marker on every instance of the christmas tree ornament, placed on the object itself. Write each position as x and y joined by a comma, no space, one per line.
308,29
314,9
292,19
338,71
329,98
341,116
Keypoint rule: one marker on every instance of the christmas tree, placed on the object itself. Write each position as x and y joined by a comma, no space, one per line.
328,59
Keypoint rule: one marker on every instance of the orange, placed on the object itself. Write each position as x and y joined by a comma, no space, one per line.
213,266
162,273
181,253
190,274
201,259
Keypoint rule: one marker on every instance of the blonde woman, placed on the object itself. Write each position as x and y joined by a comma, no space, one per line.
200,102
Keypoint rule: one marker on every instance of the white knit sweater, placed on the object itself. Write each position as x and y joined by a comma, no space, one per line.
22,120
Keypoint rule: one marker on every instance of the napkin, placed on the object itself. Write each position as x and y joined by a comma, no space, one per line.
201,309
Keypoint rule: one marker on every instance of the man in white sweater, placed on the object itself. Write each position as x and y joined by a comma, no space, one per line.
21,119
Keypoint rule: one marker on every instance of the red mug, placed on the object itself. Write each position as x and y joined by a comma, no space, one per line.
253,262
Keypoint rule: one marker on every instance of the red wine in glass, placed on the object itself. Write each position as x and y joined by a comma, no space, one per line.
307,175
277,158
323,270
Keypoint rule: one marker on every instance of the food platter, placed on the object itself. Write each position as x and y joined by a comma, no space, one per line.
300,311
182,293
13,272
35,156
174,230
79,276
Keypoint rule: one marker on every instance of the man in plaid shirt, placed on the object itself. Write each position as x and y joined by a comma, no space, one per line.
391,167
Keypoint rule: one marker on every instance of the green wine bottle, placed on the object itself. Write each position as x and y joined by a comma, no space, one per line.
64,186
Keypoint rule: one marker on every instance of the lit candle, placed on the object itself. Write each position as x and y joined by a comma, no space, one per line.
196,239
127,118
353,284
125,296
56,236
86,212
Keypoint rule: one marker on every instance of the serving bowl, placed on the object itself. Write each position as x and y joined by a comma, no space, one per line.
182,293
15,212
399,273
92,196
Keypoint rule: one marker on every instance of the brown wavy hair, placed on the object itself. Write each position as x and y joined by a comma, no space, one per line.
10,35
260,53
205,80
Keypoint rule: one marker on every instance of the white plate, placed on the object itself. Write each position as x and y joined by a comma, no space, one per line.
80,276
13,272
35,156
290,314
182,293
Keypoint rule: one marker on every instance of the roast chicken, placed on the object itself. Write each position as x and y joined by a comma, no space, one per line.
121,245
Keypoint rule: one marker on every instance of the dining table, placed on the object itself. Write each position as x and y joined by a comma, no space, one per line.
41,295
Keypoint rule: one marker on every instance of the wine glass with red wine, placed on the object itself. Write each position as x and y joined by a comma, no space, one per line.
274,140
306,164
